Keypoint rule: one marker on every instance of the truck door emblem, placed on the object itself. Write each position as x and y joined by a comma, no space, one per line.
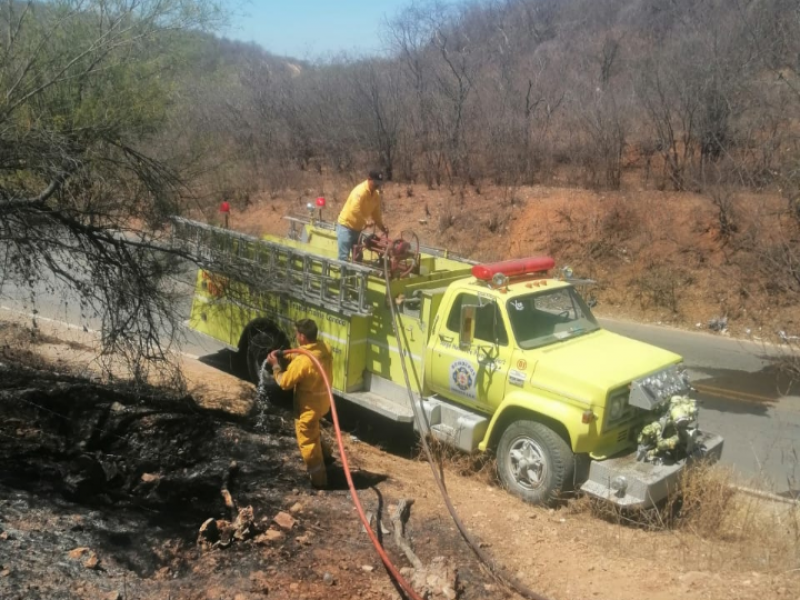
462,378
522,364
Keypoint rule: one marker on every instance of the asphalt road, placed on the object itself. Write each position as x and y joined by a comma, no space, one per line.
743,398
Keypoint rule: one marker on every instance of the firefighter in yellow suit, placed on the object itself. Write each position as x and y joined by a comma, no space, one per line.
311,402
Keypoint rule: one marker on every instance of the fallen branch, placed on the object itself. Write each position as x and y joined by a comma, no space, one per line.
399,520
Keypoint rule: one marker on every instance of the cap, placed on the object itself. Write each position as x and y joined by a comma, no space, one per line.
376,175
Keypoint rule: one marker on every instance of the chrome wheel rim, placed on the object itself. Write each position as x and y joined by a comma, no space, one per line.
527,464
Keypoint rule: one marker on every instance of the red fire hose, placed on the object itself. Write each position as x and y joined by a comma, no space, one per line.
494,569
343,455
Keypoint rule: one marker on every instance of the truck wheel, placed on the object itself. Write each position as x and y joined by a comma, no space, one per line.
259,345
534,462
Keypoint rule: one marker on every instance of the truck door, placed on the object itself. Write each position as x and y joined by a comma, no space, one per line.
468,357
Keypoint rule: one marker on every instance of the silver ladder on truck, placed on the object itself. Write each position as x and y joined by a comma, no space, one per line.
269,267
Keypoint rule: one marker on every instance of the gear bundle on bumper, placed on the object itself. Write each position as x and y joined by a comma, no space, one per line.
667,446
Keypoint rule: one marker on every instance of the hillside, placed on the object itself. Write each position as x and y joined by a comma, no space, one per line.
656,256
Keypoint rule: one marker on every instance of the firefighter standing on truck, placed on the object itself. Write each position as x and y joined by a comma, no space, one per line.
311,402
362,205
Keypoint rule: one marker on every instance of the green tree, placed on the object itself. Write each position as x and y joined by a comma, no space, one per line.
83,188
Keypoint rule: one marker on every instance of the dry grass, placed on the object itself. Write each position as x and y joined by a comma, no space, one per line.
714,524
753,532
706,500
477,465
711,524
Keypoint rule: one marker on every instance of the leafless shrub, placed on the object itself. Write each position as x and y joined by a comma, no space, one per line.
480,465
723,199
788,365
749,532
621,221
662,286
600,248
706,498
564,215
446,218
771,250
759,532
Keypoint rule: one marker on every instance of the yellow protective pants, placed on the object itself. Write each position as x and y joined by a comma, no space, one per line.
309,439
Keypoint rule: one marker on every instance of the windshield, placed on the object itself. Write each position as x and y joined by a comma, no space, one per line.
547,317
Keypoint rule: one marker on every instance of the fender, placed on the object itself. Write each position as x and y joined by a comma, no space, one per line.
559,410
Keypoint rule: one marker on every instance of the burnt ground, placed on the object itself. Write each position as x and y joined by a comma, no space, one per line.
104,488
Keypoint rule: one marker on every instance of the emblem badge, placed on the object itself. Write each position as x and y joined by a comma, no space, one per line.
462,378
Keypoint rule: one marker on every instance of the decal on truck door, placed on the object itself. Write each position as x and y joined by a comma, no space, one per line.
462,378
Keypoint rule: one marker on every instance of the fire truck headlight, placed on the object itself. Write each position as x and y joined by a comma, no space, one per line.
616,407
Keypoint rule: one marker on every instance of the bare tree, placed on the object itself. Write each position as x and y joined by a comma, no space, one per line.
772,28
600,104
517,97
378,90
411,32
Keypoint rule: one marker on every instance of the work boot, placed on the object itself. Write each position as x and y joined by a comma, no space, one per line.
327,454
319,477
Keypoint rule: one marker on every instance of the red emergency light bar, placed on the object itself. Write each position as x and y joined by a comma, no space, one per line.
517,267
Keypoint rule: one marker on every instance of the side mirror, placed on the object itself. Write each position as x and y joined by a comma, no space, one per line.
467,329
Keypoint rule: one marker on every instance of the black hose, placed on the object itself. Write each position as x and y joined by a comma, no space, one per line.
497,571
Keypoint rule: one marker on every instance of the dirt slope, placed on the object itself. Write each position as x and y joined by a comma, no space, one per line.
142,534
657,256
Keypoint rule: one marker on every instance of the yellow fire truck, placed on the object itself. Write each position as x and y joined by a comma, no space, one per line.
503,357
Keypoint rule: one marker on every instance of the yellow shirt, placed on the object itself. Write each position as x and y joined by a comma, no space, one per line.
361,206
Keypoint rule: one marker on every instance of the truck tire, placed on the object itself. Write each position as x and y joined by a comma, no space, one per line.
534,462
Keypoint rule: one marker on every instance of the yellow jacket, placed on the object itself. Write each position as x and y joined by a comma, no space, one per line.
301,374
361,206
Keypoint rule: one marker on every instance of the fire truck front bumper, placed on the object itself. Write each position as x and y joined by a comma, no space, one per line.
629,483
